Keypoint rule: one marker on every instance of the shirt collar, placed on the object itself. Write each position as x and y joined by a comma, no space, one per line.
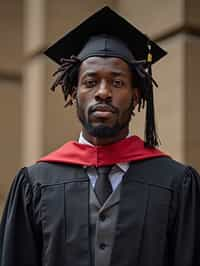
122,166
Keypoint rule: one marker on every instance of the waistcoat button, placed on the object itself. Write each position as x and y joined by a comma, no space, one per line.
102,217
102,246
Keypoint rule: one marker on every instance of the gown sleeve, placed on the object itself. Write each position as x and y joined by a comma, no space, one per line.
19,244
185,240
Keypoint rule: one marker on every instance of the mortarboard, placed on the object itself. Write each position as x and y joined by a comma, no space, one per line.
104,22
107,34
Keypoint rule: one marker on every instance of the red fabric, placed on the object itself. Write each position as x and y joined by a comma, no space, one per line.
126,150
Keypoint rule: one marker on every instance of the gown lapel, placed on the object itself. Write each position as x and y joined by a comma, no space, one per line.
77,219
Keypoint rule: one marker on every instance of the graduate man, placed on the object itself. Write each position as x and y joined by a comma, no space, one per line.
109,199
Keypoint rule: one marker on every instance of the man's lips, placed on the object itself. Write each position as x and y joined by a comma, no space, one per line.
102,111
102,108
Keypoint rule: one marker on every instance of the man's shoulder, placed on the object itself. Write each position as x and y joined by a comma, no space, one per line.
162,171
164,163
46,173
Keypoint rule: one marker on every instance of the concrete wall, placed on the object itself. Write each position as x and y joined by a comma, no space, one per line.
10,92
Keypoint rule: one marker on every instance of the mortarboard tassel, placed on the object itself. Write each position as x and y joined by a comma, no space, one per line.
151,137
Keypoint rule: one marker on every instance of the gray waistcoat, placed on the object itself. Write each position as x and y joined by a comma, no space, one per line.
102,227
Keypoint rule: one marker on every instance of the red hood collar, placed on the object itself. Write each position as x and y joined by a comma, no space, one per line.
126,150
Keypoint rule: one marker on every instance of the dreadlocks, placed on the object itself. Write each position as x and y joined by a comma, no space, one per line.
67,78
145,82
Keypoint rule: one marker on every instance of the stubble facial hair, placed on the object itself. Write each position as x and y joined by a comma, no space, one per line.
104,131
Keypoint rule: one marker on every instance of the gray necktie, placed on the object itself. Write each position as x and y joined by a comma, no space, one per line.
103,186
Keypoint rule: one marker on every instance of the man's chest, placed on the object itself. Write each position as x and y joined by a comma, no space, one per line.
142,215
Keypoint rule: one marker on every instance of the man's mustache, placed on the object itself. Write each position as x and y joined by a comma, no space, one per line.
102,106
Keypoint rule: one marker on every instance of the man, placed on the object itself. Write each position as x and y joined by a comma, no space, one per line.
109,199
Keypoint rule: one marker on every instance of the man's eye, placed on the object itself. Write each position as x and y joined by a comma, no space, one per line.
118,83
90,83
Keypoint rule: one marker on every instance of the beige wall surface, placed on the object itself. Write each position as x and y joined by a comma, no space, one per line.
154,17
11,28
192,11
10,138
70,14
169,97
11,60
192,101
33,105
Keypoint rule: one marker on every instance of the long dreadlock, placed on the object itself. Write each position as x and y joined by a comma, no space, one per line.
67,78
145,83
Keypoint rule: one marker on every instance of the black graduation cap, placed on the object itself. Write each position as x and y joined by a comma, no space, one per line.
107,22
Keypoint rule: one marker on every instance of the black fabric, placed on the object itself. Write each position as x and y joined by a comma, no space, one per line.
104,21
106,46
103,187
46,218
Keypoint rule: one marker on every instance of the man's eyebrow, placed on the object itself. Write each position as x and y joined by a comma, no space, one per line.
95,73
119,73
89,73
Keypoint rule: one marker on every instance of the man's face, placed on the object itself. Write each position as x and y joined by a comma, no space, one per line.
105,96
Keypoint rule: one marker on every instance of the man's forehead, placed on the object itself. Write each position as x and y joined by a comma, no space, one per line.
113,64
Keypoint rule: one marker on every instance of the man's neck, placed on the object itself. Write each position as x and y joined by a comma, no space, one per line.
97,141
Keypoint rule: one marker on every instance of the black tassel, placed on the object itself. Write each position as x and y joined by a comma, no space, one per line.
151,137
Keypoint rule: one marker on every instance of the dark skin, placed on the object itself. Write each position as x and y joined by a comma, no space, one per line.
105,97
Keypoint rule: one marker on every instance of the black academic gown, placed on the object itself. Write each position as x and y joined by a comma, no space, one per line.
46,218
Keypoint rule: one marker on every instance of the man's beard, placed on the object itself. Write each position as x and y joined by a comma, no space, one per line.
104,131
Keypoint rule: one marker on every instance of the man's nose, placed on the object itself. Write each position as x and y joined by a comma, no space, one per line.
104,92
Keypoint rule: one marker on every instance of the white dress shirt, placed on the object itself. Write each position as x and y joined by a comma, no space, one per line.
116,174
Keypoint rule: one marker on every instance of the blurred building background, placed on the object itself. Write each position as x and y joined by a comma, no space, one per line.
32,118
